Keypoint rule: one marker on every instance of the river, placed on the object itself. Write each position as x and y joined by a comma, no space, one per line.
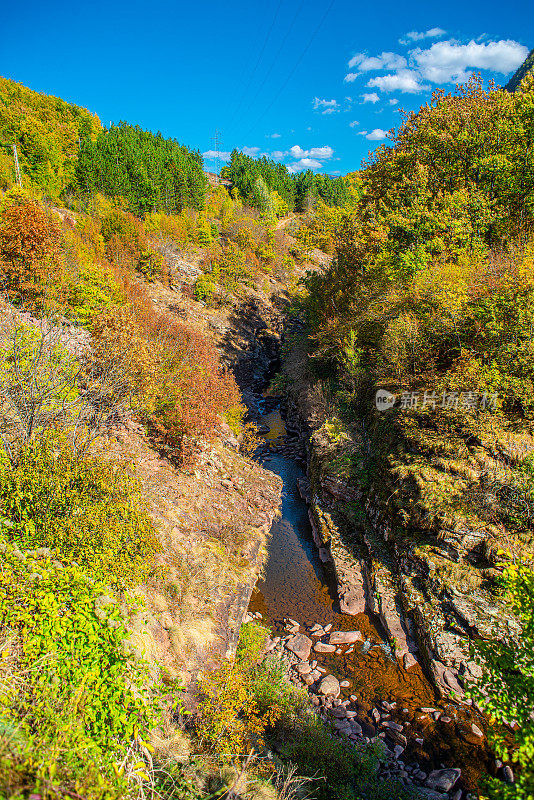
295,585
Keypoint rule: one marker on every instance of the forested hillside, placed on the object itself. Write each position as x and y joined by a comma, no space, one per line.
151,173
527,66
298,191
65,153
429,300
47,132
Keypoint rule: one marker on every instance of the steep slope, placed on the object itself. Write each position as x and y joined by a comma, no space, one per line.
46,131
526,67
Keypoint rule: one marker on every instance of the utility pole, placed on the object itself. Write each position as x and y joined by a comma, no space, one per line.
17,167
217,147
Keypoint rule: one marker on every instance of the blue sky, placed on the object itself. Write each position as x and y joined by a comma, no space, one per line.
313,84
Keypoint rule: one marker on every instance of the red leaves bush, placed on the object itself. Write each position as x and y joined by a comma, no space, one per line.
30,253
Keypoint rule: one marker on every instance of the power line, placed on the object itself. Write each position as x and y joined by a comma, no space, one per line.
262,84
295,67
251,77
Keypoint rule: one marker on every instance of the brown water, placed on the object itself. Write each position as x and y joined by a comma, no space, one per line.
296,585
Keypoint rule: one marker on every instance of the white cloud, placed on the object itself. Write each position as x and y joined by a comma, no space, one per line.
274,135
406,80
278,154
376,135
320,103
383,61
212,154
450,61
325,106
417,36
393,101
370,98
250,151
354,123
304,163
362,133
323,153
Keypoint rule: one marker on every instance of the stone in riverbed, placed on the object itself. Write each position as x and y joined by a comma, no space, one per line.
508,774
304,669
344,684
320,647
443,780
300,645
409,660
343,726
345,637
329,686
317,630
394,726
339,712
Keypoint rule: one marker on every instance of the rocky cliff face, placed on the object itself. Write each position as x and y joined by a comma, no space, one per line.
431,586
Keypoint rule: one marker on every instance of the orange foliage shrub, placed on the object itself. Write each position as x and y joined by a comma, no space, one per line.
30,253
172,372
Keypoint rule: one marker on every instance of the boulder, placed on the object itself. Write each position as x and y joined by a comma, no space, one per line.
300,645
329,686
394,726
409,660
340,712
443,780
321,647
345,637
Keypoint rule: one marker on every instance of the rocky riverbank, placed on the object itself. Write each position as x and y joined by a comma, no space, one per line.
404,731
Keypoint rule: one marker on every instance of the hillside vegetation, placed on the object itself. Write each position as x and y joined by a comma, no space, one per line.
116,406
47,131
430,297
114,418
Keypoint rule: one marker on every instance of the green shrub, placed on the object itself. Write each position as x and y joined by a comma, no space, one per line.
71,700
204,288
151,264
90,510
234,417
244,698
341,771
506,689
91,292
